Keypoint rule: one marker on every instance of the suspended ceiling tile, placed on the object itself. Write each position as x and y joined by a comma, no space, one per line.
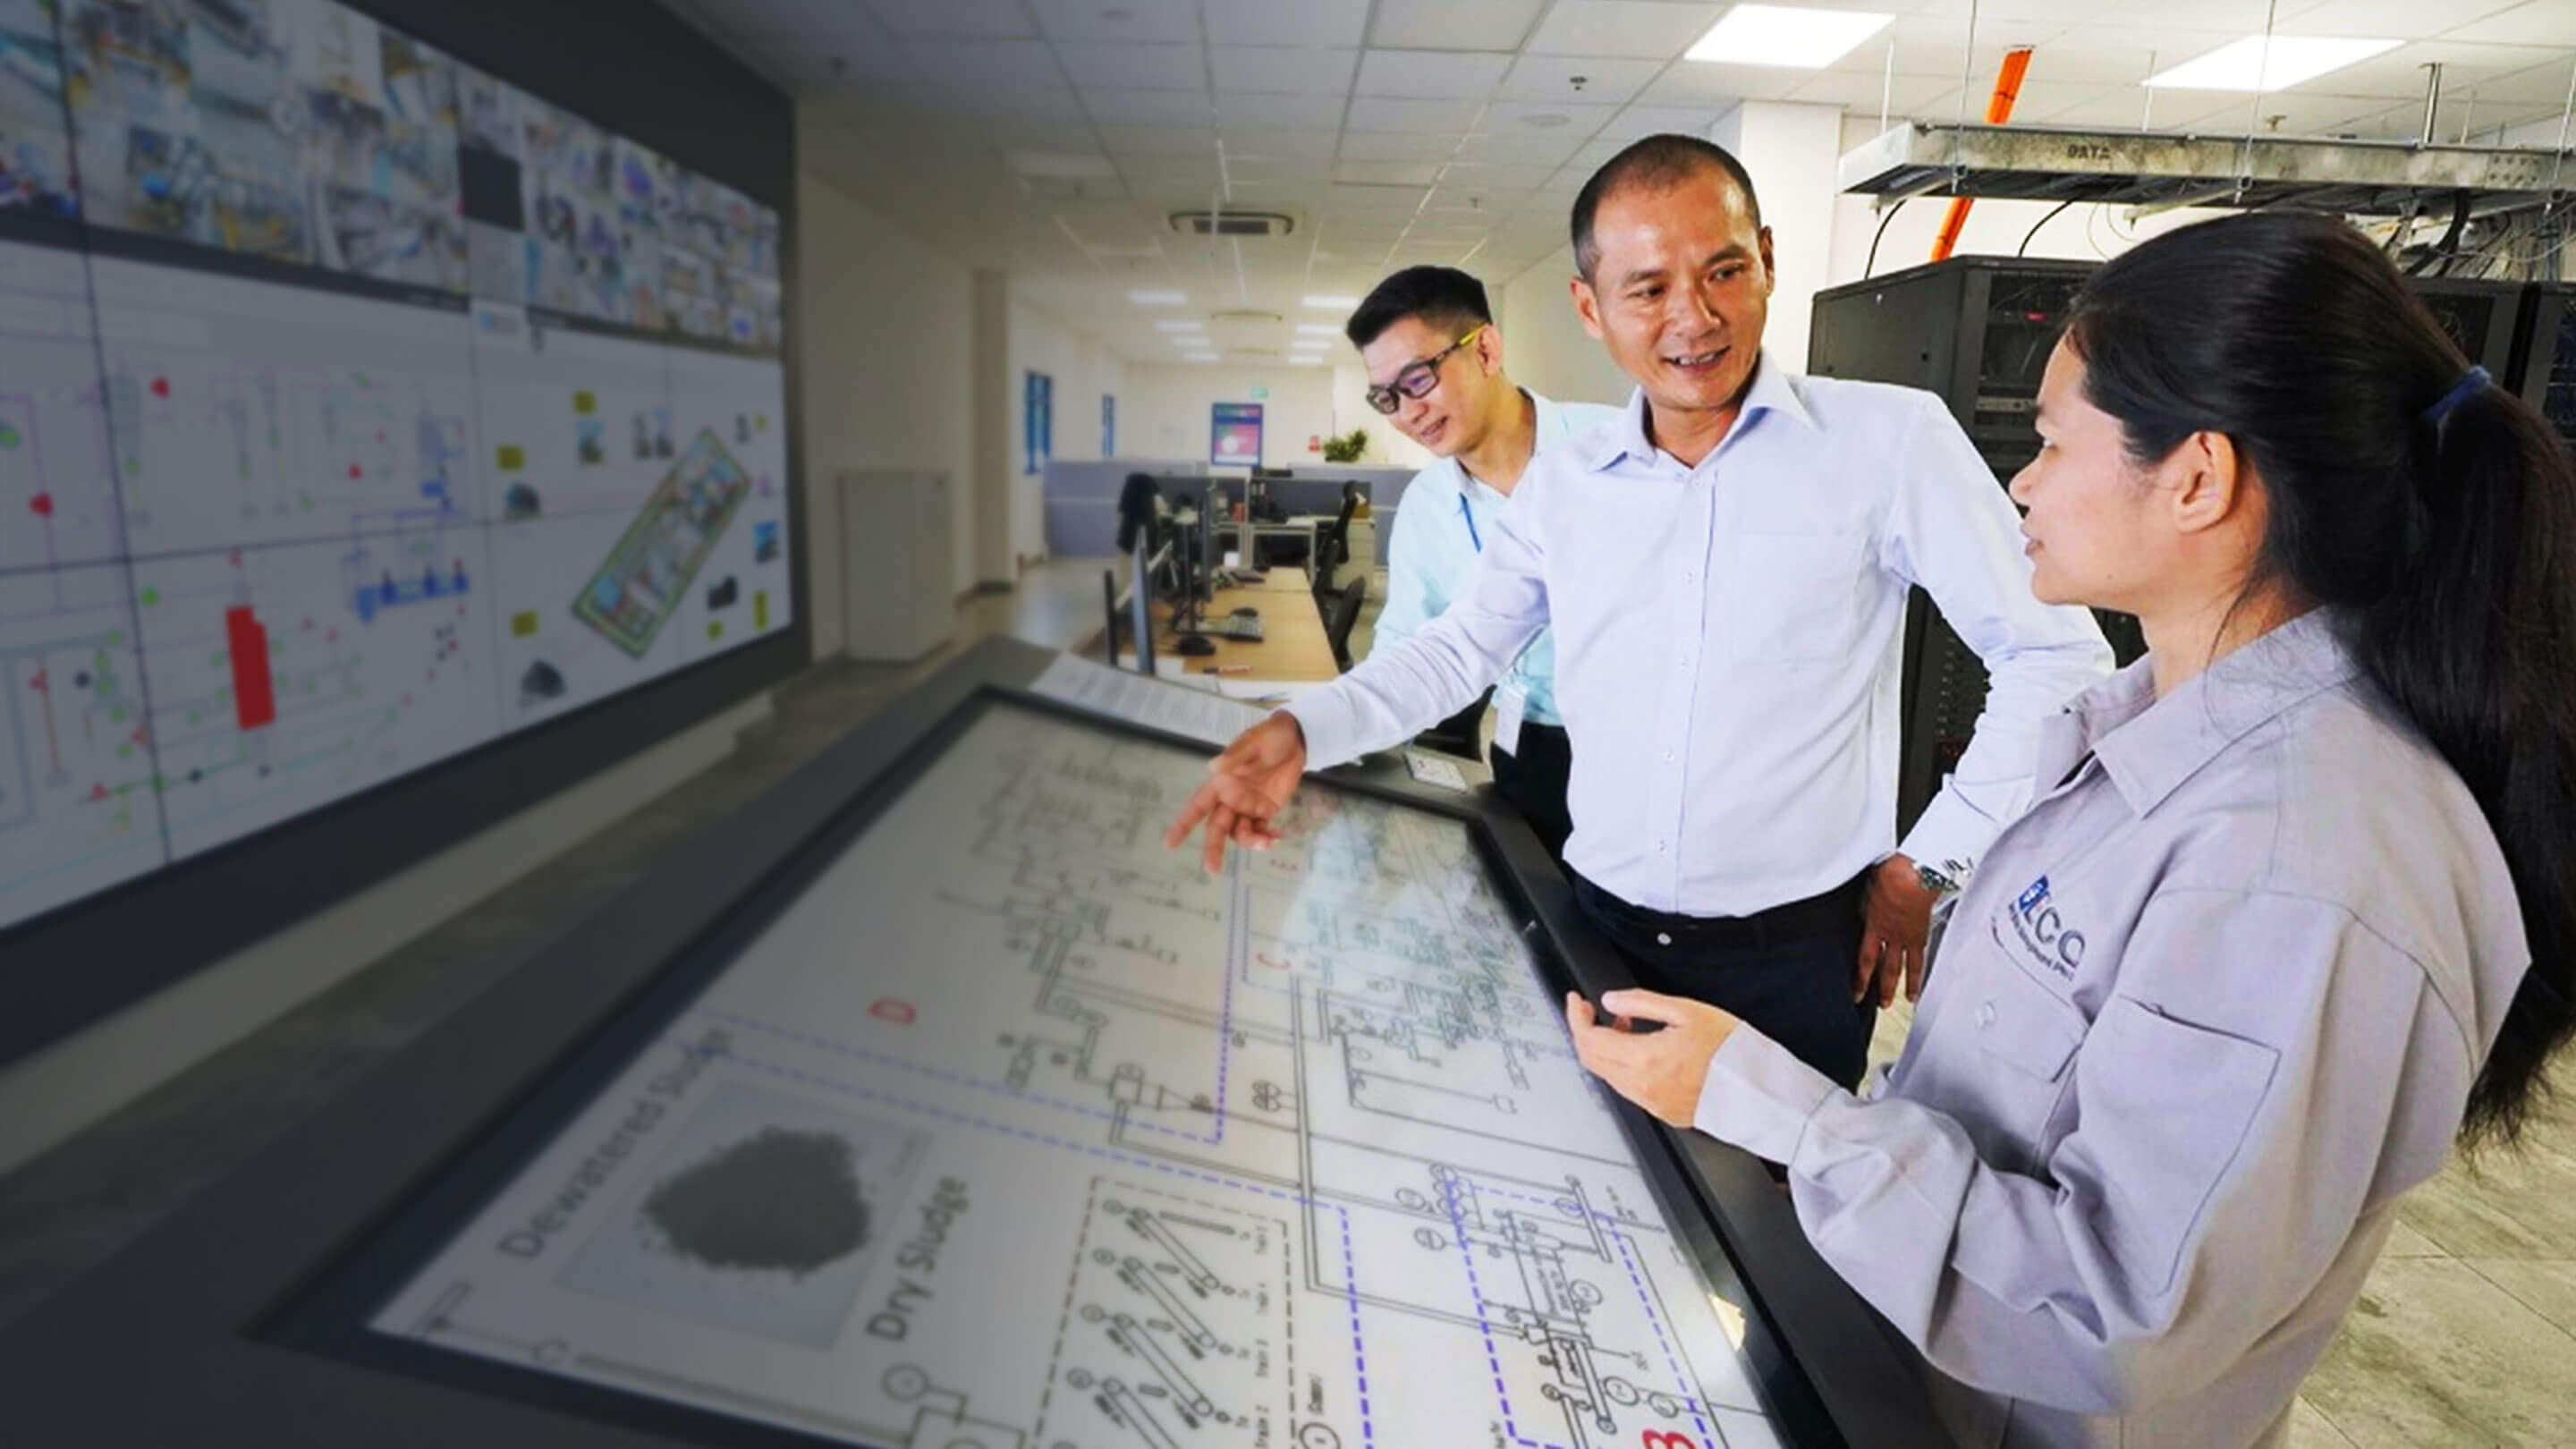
1400,173
1126,22
1134,67
2536,22
1397,146
1640,29
1149,108
1283,143
985,64
1160,140
1283,69
1491,25
1512,118
1602,80
1489,177
1338,23
1638,122
1697,81
1529,148
953,19
1430,74
1287,113
1382,113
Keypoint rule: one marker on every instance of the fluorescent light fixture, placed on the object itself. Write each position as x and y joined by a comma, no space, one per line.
1335,304
1319,329
1158,299
2275,63
1198,357
1306,362
1779,35
1182,324
1310,344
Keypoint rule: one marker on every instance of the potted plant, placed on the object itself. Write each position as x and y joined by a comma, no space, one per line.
1348,448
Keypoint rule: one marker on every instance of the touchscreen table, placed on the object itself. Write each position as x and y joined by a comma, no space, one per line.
1015,1129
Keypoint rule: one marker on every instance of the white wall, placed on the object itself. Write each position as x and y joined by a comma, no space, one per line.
1168,416
885,327
1084,371
1544,345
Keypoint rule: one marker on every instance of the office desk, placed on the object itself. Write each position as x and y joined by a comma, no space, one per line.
1293,645
1301,527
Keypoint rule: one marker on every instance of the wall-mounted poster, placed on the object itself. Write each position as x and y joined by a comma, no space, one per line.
1037,422
1236,435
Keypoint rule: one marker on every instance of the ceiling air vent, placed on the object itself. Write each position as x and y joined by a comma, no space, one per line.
1232,223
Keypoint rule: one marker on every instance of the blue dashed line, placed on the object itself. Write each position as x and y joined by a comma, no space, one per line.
1450,1189
1359,1355
1689,1395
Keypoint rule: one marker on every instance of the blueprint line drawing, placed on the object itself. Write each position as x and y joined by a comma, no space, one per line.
1293,1156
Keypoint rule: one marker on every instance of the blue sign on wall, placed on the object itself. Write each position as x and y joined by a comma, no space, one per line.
1037,426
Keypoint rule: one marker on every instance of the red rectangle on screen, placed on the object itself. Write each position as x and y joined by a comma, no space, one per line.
254,702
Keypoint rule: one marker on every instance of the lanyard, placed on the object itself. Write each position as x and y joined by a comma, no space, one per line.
1472,536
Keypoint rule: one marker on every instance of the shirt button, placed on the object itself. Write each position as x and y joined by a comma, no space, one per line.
1659,846
1985,1013
1663,939
1668,757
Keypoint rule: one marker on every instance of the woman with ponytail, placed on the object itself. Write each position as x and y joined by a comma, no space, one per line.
2299,910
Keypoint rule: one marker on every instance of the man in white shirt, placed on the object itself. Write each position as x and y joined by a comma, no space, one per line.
1725,571
1435,370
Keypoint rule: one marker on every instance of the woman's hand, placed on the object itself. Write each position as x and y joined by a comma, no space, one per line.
1661,1071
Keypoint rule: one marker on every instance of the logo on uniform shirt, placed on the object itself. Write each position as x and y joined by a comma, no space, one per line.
2043,930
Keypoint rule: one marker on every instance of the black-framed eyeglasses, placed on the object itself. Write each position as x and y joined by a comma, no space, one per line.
1417,379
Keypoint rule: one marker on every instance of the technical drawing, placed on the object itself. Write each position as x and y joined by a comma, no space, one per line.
1211,1155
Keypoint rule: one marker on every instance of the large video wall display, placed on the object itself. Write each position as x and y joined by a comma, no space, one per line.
356,409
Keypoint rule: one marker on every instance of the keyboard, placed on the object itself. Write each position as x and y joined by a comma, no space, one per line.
1232,627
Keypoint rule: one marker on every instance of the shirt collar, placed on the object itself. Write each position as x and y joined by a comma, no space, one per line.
1774,389
2150,746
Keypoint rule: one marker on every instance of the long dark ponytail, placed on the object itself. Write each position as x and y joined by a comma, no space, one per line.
2438,517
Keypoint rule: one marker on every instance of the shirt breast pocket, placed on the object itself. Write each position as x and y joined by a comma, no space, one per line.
2026,1034
1799,597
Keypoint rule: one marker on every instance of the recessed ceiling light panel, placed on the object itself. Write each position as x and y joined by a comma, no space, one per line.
1783,36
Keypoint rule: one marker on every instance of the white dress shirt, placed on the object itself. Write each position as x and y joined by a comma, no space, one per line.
1440,533
2208,1008
1729,643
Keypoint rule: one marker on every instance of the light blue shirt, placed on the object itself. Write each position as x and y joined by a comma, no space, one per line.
1439,539
1729,643
2208,1008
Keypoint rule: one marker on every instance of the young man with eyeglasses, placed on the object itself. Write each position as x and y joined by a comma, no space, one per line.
1435,370
1725,570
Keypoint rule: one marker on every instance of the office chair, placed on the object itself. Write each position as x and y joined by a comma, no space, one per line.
1345,617
1333,542
1461,734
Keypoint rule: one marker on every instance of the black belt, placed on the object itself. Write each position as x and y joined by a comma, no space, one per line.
1823,914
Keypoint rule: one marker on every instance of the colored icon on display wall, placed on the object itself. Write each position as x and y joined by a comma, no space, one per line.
649,571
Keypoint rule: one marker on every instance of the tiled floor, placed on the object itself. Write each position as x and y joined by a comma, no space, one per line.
2465,1336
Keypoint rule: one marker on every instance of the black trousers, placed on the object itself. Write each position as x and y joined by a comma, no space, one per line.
1787,970
1532,781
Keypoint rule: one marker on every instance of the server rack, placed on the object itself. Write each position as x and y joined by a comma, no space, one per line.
1977,331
